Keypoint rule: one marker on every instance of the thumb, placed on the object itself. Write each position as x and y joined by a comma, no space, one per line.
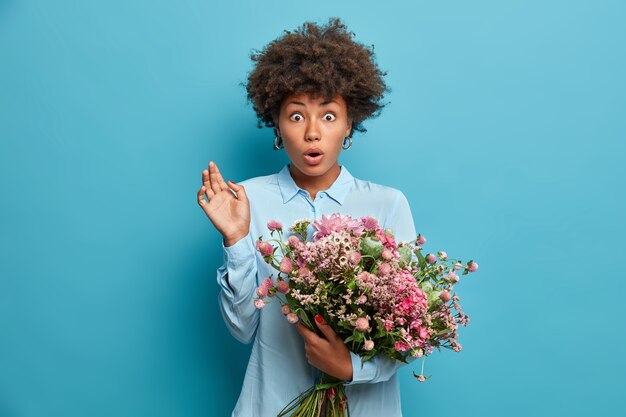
241,192
326,330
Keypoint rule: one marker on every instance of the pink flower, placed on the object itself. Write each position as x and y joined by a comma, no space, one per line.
457,266
407,303
368,345
421,378
293,241
363,276
264,247
430,258
445,296
369,223
258,303
285,309
388,241
292,318
336,223
267,283
304,272
473,266
274,225
401,346
362,324
354,258
283,286
261,291
442,255
421,240
286,265
361,300
423,333
387,254
452,277
384,268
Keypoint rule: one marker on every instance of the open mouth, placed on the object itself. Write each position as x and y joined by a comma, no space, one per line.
313,157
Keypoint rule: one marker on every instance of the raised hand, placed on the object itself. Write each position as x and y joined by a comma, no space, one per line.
227,206
330,355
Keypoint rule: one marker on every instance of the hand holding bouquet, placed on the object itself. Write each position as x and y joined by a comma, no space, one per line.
375,294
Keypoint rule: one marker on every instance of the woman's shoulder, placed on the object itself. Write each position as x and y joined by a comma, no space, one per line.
383,191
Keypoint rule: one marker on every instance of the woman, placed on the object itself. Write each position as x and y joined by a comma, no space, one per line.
314,86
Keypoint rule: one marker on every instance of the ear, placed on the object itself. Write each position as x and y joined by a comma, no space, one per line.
349,129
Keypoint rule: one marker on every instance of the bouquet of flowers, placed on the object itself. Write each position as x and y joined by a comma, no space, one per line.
379,296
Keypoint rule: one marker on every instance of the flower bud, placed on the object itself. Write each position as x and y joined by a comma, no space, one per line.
442,255
430,258
261,291
368,345
473,266
371,247
264,247
362,324
384,268
274,225
292,318
354,258
293,241
421,240
286,266
285,309
258,303
283,286
445,296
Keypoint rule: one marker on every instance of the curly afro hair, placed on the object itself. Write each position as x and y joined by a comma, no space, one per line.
318,60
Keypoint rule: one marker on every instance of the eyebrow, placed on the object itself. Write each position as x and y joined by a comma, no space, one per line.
302,104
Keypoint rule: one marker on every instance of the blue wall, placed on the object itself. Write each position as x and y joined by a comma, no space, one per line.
505,130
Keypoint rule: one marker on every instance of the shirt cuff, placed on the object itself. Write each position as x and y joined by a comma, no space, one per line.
241,251
361,371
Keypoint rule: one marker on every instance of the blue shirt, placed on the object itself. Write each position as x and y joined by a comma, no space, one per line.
278,370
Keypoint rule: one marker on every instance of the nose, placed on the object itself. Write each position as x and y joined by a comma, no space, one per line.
312,131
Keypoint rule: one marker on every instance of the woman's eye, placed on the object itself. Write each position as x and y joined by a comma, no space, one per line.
296,117
329,117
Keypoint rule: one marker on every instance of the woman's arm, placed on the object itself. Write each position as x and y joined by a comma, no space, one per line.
228,209
238,281
331,355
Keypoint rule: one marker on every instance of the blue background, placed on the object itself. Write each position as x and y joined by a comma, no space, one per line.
505,130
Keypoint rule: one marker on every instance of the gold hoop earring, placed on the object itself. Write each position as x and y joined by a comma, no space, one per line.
344,143
278,143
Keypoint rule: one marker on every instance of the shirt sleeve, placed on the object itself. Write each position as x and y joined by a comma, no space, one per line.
380,367
400,220
237,279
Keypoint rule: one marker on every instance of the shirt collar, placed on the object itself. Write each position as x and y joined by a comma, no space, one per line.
337,191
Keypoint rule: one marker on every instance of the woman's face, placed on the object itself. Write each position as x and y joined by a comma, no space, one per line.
313,131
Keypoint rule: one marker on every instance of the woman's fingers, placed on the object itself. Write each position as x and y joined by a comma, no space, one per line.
213,178
241,192
201,201
206,184
220,179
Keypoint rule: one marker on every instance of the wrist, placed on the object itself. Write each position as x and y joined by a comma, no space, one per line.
231,240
